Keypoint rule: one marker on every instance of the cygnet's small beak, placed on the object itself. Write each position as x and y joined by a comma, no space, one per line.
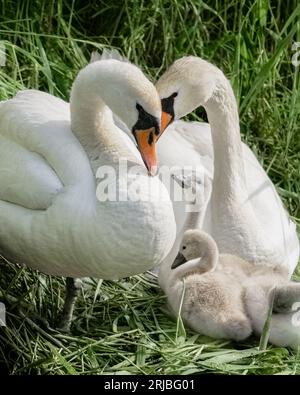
146,144
179,260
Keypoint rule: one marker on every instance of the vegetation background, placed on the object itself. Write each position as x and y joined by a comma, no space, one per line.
120,327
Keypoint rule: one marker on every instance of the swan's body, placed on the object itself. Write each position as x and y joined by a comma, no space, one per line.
226,297
50,216
244,213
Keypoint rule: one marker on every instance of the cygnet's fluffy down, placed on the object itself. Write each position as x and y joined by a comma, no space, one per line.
226,297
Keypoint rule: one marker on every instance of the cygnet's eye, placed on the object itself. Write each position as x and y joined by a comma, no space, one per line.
183,247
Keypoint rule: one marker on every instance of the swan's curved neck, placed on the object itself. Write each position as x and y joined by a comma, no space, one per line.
232,213
229,172
92,120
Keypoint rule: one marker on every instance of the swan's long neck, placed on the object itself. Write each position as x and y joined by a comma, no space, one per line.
229,174
92,121
235,226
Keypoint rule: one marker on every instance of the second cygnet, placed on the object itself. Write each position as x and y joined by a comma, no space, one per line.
227,297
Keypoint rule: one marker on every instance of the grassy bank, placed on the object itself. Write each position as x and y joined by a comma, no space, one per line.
121,327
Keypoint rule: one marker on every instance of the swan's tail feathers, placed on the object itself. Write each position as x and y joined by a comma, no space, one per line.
108,54
95,56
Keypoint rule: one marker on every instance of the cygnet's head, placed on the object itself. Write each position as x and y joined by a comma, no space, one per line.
196,244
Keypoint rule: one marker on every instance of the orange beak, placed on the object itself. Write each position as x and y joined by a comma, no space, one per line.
146,144
166,119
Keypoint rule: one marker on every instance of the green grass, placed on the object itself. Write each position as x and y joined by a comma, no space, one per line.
121,327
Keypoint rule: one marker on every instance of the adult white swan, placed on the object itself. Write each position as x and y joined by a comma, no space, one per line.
245,214
50,151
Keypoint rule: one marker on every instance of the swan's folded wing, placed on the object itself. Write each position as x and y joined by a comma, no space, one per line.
38,152
25,177
261,190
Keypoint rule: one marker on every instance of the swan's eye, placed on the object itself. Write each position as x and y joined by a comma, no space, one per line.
167,106
183,247
145,121
145,131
